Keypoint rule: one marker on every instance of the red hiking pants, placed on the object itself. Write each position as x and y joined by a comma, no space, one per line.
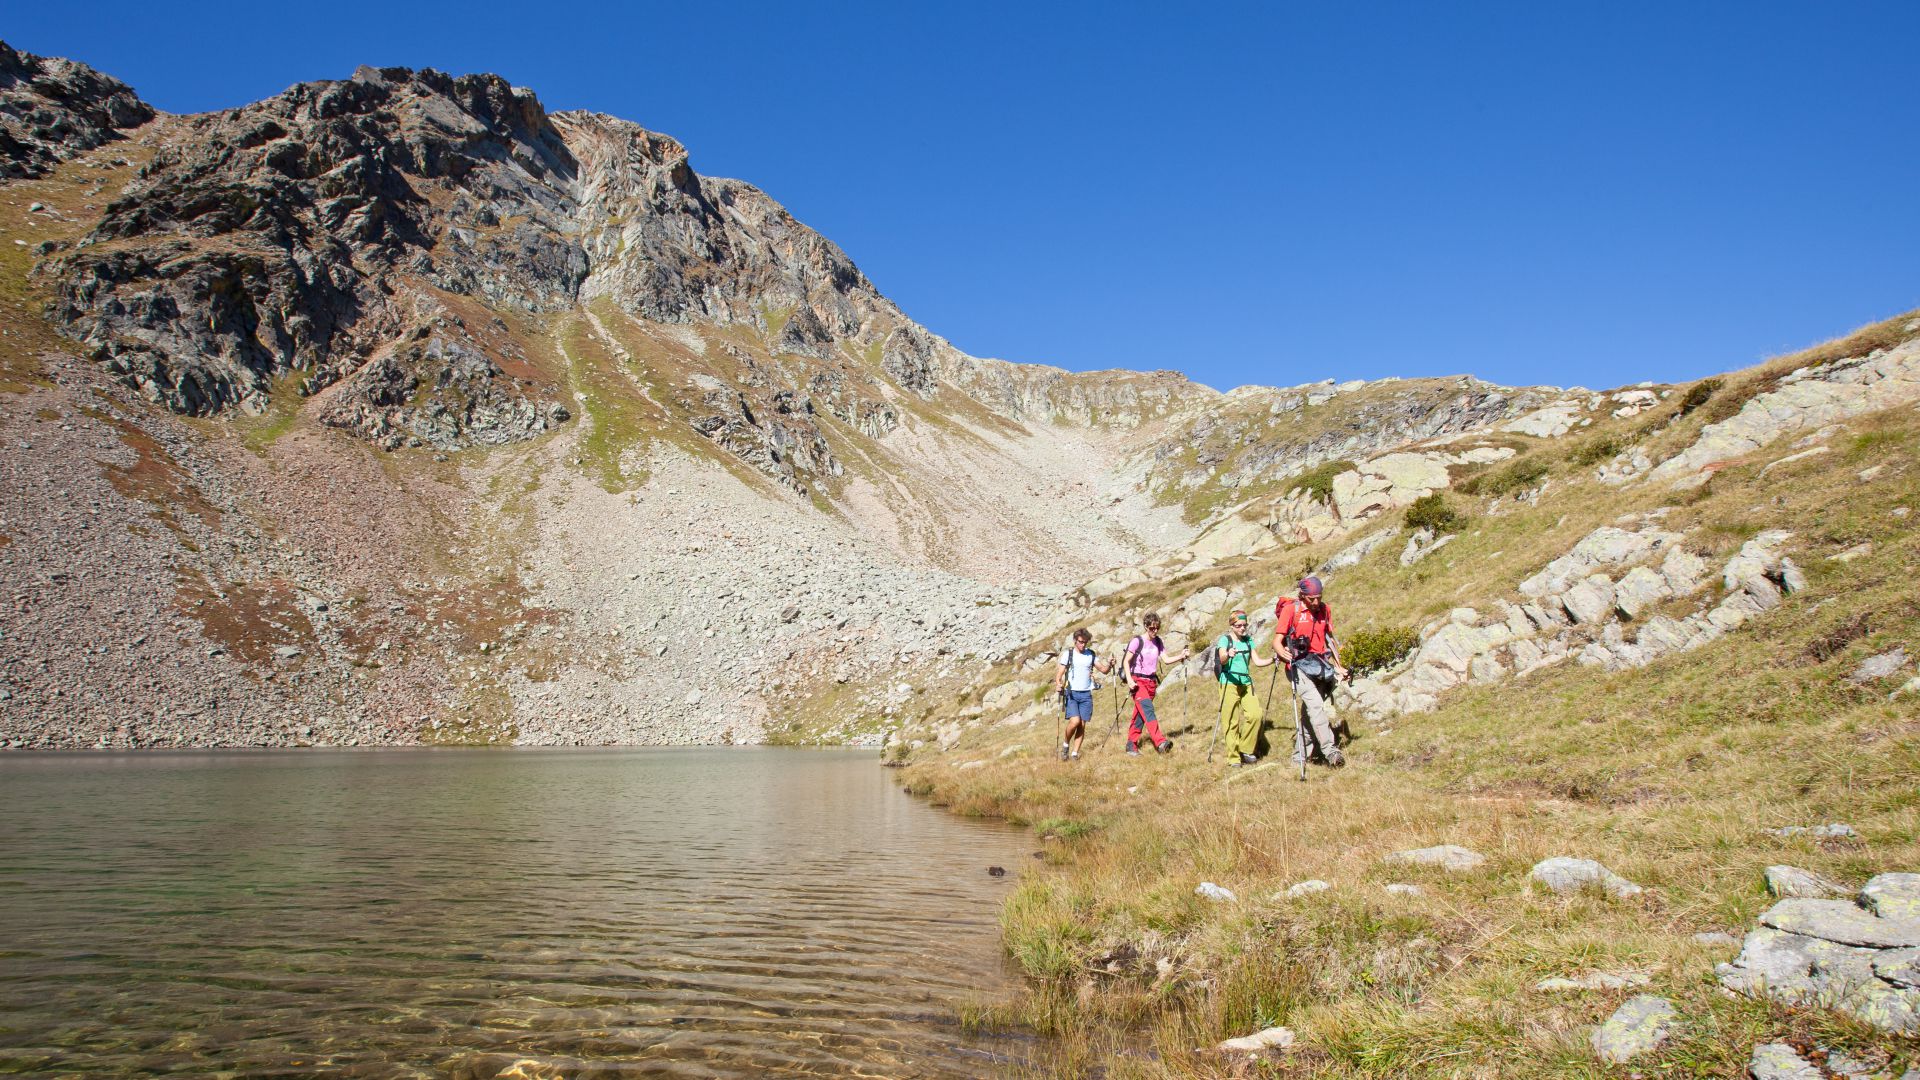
1144,687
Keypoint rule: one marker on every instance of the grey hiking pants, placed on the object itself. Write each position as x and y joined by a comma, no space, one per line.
1313,708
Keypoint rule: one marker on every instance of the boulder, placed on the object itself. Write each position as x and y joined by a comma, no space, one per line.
1352,554
1639,1026
1787,881
1779,1061
1892,896
1640,588
1401,888
1207,890
1590,601
1834,830
1446,856
1562,874
1877,667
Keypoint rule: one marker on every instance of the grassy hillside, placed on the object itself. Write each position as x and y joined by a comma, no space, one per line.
1672,776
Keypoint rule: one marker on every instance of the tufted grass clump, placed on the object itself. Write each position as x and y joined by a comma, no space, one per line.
1317,482
1518,475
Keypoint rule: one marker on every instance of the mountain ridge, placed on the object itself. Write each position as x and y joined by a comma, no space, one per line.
427,283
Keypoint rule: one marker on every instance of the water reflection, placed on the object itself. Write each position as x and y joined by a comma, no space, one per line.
476,914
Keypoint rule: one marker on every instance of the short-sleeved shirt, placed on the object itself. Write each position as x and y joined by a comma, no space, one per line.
1296,619
1079,665
1146,655
1239,658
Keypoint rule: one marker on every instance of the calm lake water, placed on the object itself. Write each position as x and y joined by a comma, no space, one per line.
538,913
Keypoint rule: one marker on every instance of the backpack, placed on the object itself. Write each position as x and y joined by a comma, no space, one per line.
1210,663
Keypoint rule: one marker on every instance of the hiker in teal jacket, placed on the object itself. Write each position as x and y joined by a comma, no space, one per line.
1240,713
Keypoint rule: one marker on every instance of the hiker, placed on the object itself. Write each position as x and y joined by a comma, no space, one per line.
1240,713
1074,681
1303,639
1144,655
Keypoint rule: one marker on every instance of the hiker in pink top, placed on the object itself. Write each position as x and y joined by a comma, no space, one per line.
1141,669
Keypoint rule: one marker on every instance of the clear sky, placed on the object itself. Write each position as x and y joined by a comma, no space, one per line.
1595,193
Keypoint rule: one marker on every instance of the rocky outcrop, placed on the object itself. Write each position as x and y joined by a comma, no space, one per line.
1860,957
1806,398
52,110
1576,608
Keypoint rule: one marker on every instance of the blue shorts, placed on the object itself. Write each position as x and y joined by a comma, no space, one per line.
1080,703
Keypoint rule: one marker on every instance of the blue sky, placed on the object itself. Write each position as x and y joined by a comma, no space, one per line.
1275,193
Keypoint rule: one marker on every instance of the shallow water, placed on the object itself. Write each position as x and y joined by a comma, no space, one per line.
725,912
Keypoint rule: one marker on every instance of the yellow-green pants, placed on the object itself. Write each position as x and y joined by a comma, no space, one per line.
1240,718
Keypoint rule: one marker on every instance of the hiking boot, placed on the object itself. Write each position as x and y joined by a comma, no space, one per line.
1063,751
1249,759
1075,756
1133,751
1165,747
1337,760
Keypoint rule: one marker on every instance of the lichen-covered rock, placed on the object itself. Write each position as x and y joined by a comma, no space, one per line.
1639,1026
1779,1061
1445,856
1786,881
1563,874
1844,922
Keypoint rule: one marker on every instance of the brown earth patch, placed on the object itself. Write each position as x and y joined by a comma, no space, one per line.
154,476
248,619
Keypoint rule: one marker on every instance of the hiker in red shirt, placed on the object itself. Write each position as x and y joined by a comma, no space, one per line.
1303,639
1145,654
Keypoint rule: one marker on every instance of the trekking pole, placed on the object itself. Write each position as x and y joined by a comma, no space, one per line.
1274,678
1299,724
1217,723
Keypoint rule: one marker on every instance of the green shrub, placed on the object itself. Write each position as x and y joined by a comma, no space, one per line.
1373,650
1432,512
1595,451
1518,475
1317,482
1698,395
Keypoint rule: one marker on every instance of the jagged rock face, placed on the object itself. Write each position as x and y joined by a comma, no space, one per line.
289,234
53,109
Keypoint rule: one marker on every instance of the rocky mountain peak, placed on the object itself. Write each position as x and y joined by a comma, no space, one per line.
52,109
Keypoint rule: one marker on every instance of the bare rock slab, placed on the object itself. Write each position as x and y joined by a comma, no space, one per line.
1564,875
1446,856
1779,1061
1796,969
1893,896
1273,1038
1637,1027
1843,922
1596,980
1791,881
